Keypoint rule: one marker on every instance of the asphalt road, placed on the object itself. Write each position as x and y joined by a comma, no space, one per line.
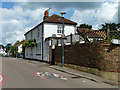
20,74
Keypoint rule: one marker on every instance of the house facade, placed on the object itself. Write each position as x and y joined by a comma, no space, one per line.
19,45
51,26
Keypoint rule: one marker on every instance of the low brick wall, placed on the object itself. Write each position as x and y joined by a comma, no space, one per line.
108,75
101,56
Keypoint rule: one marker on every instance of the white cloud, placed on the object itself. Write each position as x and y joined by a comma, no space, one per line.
107,13
15,22
18,20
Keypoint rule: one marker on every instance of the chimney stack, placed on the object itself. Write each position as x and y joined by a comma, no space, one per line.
46,14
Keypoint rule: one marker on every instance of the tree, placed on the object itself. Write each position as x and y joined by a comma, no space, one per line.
14,50
8,46
85,26
17,42
2,46
111,26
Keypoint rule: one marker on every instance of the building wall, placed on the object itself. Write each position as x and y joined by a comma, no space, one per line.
101,56
32,52
51,28
46,51
48,30
34,33
20,48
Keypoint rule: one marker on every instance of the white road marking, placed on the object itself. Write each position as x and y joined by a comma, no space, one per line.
48,75
83,81
1,78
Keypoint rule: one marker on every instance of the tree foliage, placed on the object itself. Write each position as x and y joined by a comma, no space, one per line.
17,42
8,46
111,26
2,46
85,26
29,43
14,50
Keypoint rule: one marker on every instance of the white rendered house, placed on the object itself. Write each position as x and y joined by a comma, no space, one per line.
50,26
19,45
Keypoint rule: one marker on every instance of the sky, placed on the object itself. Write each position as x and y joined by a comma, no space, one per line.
19,17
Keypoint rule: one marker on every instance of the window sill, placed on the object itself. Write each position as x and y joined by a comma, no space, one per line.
38,54
59,34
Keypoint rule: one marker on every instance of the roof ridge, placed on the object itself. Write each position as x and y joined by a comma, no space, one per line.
51,16
57,16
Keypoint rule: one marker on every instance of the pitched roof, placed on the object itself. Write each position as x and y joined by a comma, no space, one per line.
93,33
84,29
54,19
96,34
19,43
49,38
58,19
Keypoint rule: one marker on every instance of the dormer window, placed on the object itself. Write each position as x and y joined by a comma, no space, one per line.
59,29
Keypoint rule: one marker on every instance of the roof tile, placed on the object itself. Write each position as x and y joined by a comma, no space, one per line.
58,19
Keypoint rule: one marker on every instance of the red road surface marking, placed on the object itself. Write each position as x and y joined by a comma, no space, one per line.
4,79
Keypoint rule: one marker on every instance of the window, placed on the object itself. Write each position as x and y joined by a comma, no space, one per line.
26,37
31,34
26,51
38,48
38,32
60,29
31,51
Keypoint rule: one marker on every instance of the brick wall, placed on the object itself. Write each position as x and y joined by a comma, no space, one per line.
101,56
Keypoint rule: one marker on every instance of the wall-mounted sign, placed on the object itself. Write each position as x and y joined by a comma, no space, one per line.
48,75
63,35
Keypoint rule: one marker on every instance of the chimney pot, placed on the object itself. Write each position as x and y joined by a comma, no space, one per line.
46,14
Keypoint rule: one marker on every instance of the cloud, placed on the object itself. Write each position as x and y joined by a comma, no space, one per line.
23,16
60,5
16,21
107,13
119,11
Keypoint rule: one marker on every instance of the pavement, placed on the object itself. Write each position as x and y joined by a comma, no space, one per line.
22,73
76,73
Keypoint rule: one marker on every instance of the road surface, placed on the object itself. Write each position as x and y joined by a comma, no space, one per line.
21,74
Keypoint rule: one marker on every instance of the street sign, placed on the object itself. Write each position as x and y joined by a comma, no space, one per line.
63,35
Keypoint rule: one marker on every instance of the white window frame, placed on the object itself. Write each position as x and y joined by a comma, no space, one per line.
26,51
38,49
38,33
59,29
31,34
31,51
26,37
